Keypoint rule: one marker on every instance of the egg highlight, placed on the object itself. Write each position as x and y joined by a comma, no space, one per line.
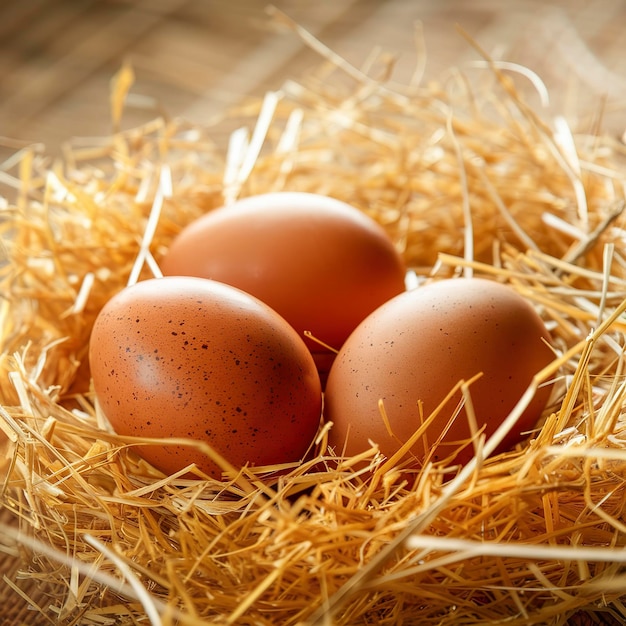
319,262
411,353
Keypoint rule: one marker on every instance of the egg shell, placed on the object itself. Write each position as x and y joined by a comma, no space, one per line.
319,262
417,347
194,358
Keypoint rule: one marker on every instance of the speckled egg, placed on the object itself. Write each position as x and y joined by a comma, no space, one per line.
194,358
320,263
414,349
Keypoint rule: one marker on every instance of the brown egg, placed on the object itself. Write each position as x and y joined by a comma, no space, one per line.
194,358
320,263
417,347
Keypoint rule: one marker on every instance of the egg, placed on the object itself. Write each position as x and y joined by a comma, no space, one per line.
415,348
188,357
319,262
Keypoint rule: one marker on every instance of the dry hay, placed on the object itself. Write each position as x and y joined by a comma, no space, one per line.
467,179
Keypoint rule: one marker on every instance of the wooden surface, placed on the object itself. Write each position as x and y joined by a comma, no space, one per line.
195,57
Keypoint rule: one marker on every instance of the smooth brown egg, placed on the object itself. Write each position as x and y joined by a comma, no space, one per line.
417,347
194,358
320,263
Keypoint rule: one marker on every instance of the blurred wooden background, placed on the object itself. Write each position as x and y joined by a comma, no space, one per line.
195,57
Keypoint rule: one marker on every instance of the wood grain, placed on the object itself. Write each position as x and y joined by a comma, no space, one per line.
195,57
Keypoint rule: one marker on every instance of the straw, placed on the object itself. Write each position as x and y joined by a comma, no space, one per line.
467,179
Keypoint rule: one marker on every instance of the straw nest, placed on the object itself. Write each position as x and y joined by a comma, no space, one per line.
466,178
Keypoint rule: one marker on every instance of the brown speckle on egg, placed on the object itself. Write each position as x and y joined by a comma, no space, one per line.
231,368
